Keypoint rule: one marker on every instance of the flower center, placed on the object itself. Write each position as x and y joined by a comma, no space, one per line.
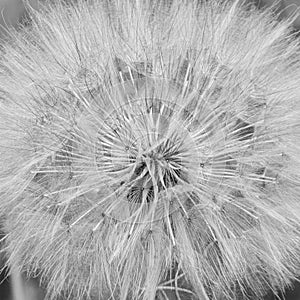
145,149
157,171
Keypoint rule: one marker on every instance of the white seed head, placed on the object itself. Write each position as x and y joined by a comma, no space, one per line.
150,150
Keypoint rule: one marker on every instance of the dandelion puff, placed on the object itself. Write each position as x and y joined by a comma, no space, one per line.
150,150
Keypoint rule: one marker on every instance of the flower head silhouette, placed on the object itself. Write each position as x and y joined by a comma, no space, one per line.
150,150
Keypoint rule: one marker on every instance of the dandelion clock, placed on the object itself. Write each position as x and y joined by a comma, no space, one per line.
150,150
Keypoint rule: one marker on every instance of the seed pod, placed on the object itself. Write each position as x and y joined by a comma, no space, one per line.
150,150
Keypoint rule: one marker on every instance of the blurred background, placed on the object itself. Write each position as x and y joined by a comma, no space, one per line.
13,13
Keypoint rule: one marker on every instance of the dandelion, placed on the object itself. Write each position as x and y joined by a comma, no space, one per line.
150,150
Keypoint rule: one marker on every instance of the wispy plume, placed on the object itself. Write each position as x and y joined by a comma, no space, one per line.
150,150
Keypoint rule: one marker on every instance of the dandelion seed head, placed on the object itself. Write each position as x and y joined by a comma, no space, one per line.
150,150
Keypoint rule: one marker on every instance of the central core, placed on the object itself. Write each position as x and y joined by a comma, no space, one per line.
155,172
145,148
